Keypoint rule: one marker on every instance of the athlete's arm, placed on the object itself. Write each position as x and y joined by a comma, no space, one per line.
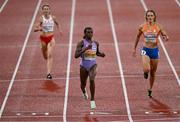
163,33
80,50
137,39
57,24
38,26
98,53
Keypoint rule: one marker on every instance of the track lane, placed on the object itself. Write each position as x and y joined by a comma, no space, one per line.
11,33
41,100
109,100
169,17
128,15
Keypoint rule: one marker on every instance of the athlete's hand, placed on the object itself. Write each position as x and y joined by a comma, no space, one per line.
102,55
166,38
37,29
89,47
86,48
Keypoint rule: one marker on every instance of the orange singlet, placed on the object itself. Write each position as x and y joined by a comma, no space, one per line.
151,33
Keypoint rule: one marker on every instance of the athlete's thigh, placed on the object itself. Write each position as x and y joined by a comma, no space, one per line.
83,74
146,62
51,45
43,45
154,64
93,72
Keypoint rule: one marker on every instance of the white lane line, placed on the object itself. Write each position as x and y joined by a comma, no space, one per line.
177,2
19,59
74,45
69,60
4,4
119,61
98,77
164,49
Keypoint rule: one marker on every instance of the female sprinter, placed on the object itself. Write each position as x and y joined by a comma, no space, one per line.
46,27
88,49
150,52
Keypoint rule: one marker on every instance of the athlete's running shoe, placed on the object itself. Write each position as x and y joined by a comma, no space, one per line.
93,104
145,75
85,95
49,76
149,93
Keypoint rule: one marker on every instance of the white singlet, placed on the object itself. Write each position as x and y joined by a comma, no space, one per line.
48,24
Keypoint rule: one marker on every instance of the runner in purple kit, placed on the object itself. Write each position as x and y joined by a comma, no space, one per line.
88,49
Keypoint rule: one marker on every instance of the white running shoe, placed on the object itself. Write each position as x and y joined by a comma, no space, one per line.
93,104
85,95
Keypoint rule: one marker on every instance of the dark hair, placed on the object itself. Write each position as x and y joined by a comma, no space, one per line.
85,29
45,5
153,13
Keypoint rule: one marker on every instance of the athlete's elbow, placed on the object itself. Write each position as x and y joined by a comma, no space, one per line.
76,56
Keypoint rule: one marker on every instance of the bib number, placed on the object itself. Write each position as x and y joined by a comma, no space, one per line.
143,52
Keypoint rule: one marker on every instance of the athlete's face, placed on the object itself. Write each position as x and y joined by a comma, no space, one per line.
89,33
150,17
46,10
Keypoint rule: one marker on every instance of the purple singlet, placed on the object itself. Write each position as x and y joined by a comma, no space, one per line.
89,56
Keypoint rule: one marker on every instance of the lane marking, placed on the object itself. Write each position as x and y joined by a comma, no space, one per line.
46,113
18,114
160,117
33,114
98,77
74,45
119,60
164,49
69,59
4,4
177,2
19,59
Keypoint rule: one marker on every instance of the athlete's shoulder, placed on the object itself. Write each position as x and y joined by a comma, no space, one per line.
53,16
41,18
96,42
141,26
81,42
158,25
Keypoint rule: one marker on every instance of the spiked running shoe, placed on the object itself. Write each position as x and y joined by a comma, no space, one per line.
49,76
149,93
93,104
145,75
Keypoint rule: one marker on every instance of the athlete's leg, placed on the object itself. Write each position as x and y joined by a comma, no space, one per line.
50,48
44,49
153,64
83,78
146,65
92,75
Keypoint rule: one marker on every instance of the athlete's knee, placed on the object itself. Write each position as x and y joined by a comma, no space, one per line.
92,82
49,56
83,83
45,56
146,70
152,73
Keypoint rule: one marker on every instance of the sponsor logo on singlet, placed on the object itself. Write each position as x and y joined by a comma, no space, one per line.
91,53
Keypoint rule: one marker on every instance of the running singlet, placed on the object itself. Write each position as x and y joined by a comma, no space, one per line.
88,58
90,54
48,24
151,32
